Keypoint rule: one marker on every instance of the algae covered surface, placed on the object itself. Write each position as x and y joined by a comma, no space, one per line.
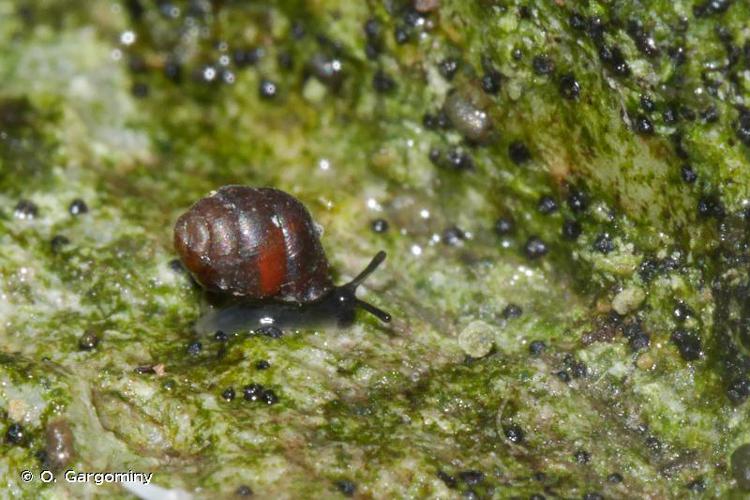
561,188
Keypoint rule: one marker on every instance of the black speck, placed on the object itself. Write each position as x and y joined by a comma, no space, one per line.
710,7
514,433
688,343
446,478
139,90
653,444
270,331
743,126
194,348
25,209
373,28
383,83
88,341
518,152
512,311
346,487
228,394
569,86
614,59
682,312
593,496
647,104
15,434
543,65
639,341
546,205
578,201
738,390
176,266
269,397
78,207
516,54
697,485
535,248
458,159
492,81
571,229
471,477
253,392
262,365
401,35
220,336
453,236
379,226
579,369
710,206
243,491
58,242
577,21
247,57
537,347
537,496
173,71
448,68
643,125
604,243
582,457
504,226
615,478
688,174
563,376
669,115
710,114
268,89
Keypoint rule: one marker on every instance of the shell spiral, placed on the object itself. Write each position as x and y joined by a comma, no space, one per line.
255,243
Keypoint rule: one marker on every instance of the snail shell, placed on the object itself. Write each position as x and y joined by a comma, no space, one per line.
254,243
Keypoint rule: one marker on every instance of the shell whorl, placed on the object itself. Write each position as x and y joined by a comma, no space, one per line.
255,243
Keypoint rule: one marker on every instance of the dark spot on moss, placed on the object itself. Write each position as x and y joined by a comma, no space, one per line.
518,152
738,390
379,226
25,209
514,433
613,58
643,125
448,68
546,205
262,364
58,242
504,226
453,236
688,174
543,65
740,462
401,35
139,90
647,104
604,243
269,397
578,201
78,207
270,331
582,457
710,206
512,311
88,341
537,347
228,394
535,248
615,478
697,485
569,87
593,496
492,81
471,477
571,229
243,491
220,336
577,21
15,435
194,348
447,479
688,343
268,89
563,376
253,392
346,487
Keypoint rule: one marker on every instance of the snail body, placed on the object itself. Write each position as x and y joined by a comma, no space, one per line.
261,247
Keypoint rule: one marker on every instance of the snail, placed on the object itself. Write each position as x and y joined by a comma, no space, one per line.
260,247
